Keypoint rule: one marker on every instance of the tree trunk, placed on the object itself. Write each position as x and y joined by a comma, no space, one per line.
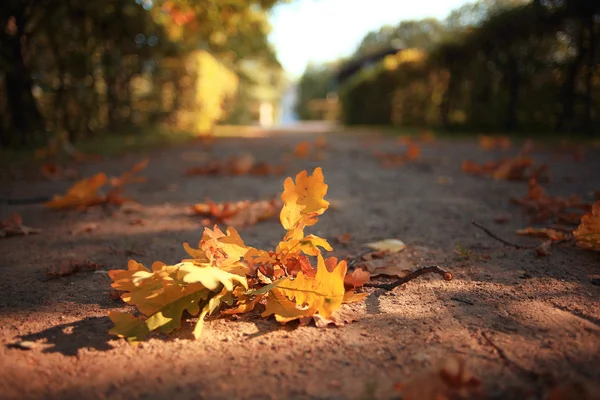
446,103
565,120
590,74
25,116
514,89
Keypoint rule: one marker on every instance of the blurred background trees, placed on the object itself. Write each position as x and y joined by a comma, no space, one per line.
492,65
76,69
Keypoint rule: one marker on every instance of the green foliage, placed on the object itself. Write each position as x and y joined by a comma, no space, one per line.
79,68
313,85
498,65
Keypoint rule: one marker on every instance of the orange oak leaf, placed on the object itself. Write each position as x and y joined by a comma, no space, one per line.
238,214
547,233
587,234
357,278
306,296
303,200
13,226
302,149
494,142
82,194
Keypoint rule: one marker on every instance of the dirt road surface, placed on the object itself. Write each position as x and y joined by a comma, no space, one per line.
523,323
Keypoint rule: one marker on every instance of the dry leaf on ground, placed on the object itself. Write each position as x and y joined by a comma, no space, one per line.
494,142
587,234
356,278
450,379
244,164
86,192
547,233
519,168
344,238
389,160
13,226
389,245
544,207
72,267
238,214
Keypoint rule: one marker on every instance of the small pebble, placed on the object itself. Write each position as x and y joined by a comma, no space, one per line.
25,345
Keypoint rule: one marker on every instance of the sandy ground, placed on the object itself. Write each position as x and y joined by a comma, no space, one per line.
522,322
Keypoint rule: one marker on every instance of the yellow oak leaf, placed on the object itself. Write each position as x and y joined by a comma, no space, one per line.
128,326
351,297
303,200
244,305
82,194
587,234
308,245
323,293
284,309
164,293
210,277
224,250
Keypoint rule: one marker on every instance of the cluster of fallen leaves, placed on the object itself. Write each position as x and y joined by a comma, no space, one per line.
390,160
518,168
494,142
564,214
13,226
237,214
425,136
225,274
543,207
236,165
304,149
87,192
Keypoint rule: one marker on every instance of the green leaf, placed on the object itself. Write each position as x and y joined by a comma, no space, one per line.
128,326
210,277
169,318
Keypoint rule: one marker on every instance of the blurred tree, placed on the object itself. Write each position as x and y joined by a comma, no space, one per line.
495,65
77,68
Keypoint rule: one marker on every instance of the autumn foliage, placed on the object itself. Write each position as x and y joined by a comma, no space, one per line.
87,192
587,235
225,273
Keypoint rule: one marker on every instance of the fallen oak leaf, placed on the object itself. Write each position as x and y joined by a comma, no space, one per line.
543,250
72,267
450,379
356,278
322,294
587,234
13,226
547,233
384,267
340,317
387,245
344,238
82,194
494,142
301,150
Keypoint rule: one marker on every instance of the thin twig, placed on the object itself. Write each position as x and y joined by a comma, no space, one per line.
505,242
415,274
506,358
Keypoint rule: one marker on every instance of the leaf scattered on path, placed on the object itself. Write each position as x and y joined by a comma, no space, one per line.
388,245
13,226
587,234
86,192
238,214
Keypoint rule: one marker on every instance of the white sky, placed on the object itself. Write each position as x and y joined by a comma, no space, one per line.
323,30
